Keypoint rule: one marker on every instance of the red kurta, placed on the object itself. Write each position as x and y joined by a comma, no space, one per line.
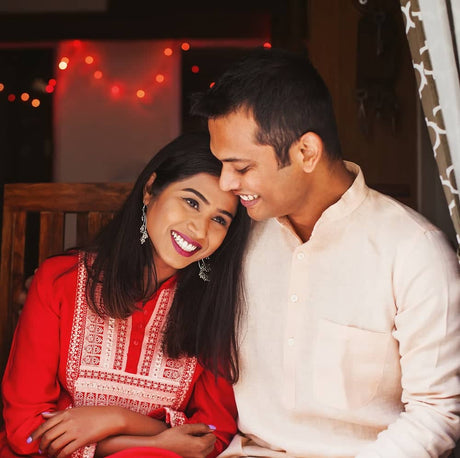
64,355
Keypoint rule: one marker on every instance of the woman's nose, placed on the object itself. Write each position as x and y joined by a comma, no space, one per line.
199,227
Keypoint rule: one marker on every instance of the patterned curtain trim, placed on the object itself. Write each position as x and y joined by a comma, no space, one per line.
431,107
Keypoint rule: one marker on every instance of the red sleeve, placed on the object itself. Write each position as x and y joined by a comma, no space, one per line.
213,403
30,384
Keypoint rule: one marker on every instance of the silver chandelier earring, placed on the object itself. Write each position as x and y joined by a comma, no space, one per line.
205,269
143,229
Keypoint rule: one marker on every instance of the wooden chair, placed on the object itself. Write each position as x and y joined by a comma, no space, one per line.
46,213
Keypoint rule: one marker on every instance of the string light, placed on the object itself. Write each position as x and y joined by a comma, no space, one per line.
267,45
11,97
97,74
52,82
2,86
35,103
212,84
49,89
89,60
195,69
185,46
115,90
159,78
25,96
140,94
168,52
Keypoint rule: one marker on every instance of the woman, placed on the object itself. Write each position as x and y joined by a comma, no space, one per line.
131,341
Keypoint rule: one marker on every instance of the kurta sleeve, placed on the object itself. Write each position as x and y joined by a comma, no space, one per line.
213,403
30,384
427,327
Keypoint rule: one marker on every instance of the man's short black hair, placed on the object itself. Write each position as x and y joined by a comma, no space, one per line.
283,92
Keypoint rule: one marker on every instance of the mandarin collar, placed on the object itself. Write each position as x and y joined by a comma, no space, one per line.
350,200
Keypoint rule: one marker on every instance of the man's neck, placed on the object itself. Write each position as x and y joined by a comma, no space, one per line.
329,184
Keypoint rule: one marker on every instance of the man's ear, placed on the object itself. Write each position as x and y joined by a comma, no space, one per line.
148,189
308,151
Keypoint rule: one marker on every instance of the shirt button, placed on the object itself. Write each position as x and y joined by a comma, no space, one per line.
136,342
291,341
294,298
300,256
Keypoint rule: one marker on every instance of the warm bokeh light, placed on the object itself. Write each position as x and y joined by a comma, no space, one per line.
168,52
97,74
140,94
52,82
185,46
11,97
2,86
49,88
195,69
35,103
62,65
25,97
267,45
89,60
76,43
115,90
212,84
159,78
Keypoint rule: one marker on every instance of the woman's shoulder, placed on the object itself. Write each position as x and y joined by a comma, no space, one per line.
59,266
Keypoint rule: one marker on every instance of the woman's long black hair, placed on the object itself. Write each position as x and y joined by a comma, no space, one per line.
204,316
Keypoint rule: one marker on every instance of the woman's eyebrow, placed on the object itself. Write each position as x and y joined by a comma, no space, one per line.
200,196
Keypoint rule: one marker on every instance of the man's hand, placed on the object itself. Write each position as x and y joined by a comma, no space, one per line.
188,441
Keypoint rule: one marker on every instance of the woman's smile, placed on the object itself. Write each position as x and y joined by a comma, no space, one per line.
183,244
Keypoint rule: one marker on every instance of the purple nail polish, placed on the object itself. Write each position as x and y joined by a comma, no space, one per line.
29,439
212,427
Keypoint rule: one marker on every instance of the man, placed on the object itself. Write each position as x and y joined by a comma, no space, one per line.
350,345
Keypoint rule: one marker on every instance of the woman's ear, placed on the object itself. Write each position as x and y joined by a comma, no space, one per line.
148,188
308,151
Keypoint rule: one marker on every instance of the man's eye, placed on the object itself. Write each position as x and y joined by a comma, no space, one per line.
220,220
192,203
243,170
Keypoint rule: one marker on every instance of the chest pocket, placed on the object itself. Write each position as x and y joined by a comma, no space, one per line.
348,365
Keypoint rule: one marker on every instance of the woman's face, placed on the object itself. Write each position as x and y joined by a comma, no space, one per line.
187,221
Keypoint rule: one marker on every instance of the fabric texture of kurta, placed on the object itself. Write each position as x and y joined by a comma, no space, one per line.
64,355
351,343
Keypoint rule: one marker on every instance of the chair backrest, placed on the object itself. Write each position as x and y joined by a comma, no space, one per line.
46,213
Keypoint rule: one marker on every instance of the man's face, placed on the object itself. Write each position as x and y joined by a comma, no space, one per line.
251,170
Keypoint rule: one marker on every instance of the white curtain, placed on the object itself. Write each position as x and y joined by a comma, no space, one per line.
433,32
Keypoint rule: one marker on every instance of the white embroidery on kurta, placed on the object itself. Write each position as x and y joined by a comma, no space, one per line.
98,354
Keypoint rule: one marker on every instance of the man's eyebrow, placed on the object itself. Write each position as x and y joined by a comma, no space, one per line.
235,159
200,196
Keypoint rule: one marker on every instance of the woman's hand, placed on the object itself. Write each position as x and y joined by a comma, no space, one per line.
66,431
189,441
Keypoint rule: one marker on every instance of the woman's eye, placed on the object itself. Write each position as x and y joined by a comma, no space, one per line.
220,220
192,203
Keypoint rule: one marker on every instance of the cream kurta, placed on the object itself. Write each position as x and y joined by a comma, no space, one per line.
351,346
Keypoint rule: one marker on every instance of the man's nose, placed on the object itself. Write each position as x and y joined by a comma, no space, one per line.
228,181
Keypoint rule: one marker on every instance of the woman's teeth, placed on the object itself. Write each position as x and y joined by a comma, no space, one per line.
186,246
